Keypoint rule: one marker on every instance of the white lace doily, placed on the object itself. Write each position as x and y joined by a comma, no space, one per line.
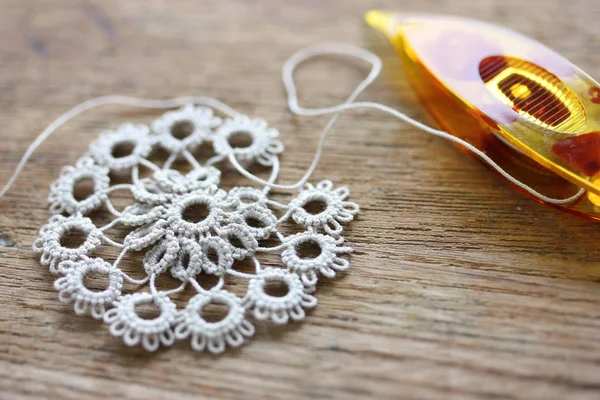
235,227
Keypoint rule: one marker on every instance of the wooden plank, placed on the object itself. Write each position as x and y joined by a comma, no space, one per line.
459,287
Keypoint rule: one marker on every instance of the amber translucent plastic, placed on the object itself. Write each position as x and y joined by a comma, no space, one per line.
531,110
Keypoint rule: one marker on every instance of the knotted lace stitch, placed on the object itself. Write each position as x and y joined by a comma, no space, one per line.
236,223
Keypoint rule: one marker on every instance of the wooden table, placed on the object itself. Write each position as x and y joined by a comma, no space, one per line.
459,287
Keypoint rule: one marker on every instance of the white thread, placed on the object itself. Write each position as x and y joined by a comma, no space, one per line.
363,54
290,86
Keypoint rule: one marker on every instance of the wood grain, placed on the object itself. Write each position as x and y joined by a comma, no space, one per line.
460,288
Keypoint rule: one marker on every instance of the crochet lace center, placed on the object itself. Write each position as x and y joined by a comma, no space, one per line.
190,228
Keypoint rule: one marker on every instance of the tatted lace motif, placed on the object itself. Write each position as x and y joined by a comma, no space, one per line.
235,225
